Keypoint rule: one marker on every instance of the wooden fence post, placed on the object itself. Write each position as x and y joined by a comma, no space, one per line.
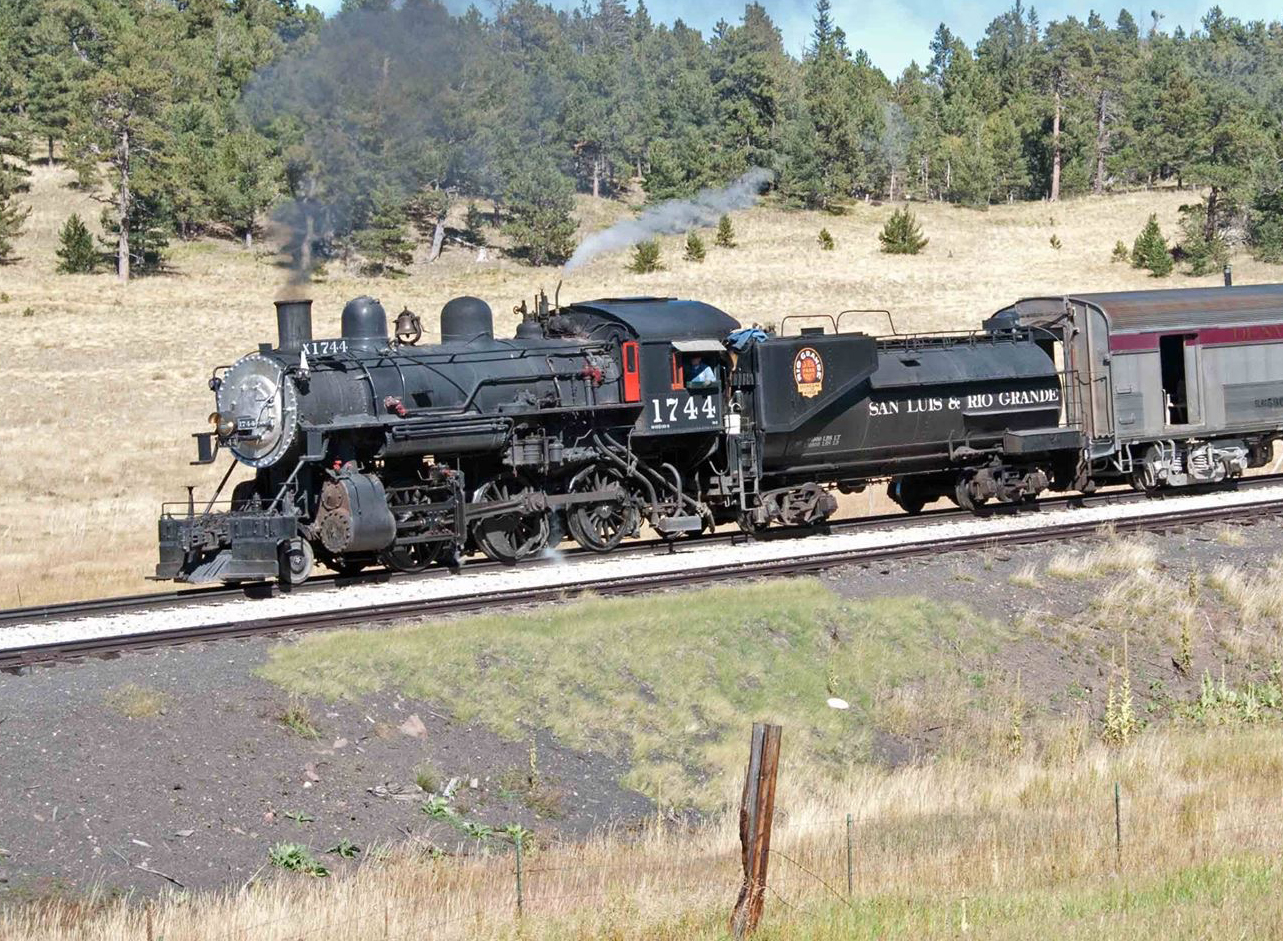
756,810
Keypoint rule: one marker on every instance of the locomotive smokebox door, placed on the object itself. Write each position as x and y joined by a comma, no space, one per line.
683,384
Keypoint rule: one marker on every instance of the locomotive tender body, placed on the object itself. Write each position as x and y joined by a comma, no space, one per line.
597,416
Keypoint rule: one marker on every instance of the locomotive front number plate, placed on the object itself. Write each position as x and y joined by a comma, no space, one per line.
683,411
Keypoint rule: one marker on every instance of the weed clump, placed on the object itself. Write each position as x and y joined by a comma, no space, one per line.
137,702
297,719
294,857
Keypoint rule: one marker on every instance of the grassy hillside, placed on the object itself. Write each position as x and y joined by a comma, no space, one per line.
103,384
667,683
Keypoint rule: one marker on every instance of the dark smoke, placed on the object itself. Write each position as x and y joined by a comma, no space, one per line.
361,112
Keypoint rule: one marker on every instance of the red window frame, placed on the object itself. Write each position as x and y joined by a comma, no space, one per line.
632,373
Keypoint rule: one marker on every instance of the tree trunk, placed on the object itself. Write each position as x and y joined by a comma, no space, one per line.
249,235
891,188
50,142
1209,224
596,176
1102,142
122,207
305,249
438,238
1054,196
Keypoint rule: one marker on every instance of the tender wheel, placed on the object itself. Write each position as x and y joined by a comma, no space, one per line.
600,526
962,496
908,497
296,561
415,557
748,525
515,536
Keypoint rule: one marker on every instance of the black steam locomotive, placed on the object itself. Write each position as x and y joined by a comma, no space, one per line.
371,449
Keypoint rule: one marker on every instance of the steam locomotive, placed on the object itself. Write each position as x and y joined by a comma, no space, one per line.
369,448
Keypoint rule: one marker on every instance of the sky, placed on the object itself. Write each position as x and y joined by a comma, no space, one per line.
895,32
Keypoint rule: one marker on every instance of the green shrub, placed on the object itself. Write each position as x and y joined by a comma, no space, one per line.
902,235
646,257
76,251
695,250
725,233
1150,251
1120,252
826,241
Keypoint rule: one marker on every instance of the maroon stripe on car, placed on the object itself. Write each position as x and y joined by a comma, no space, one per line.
1208,336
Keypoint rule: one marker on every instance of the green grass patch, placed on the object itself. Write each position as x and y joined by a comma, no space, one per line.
670,683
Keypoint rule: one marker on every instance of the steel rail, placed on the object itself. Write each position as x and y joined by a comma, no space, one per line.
58,611
18,658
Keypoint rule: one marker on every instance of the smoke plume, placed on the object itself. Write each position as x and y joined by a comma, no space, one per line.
674,216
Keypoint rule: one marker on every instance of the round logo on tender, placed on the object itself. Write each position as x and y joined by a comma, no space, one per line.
808,372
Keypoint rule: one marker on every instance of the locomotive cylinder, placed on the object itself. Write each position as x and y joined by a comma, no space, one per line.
293,325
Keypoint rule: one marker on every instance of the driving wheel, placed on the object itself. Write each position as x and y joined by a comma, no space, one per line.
600,525
514,536
415,557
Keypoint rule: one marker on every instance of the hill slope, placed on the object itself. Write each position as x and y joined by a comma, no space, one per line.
103,383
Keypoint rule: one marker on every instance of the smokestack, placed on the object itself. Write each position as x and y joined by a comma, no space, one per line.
1228,271
293,325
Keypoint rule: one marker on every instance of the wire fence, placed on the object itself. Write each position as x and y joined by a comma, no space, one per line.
816,868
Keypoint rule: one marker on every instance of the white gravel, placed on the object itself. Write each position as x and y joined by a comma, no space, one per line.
584,573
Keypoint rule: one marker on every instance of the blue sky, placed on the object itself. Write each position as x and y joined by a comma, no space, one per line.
897,31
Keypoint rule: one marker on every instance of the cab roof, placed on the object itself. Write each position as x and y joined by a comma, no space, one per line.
660,318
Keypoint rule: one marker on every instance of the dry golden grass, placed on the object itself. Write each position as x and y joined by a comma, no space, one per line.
1021,848
103,383
1115,556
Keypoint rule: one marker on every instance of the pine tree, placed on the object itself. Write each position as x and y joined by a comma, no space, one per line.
826,241
1204,255
1265,230
474,221
383,241
12,217
902,235
76,251
1150,250
117,120
1120,252
646,257
725,233
695,250
540,224
245,182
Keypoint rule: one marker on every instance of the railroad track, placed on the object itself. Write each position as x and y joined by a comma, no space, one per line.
17,658
61,611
